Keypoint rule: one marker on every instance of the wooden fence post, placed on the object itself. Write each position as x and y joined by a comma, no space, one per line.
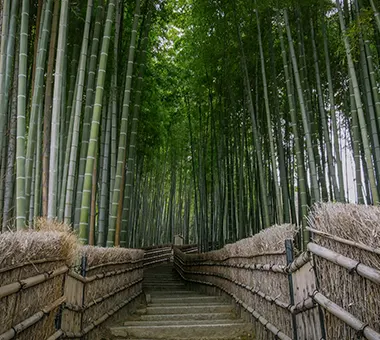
289,259
74,292
308,322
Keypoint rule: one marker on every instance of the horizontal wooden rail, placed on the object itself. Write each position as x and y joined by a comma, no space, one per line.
300,307
345,241
303,306
114,264
361,327
57,335
259,266
102,275
168,245
15,287
31,263
298,262
81,309
100,320
242,257
22,326
278,333
345,262
254,291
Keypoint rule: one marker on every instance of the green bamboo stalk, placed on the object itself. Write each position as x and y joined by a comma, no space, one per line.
114,100
373,82
135,120
94,133
9,175
113,229
6,64
37,95
3,169
279,210
10,52
359,107
21,121
87,112
3,48
297,144
104,191
377,14
256,135
47,109
310,151
325,128
367,93
61,131
77,116
356,146
37,188
56,111
334,124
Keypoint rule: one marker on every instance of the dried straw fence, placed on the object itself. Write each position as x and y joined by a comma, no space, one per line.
106,281
331,291
50,288
156,255
33,266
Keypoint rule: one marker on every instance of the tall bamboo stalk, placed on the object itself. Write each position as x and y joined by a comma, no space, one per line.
21,120
95,123
56,110
90,91
279,209
47,109
37,94
359,107
77,116
306,127
255,131
113,237
3,48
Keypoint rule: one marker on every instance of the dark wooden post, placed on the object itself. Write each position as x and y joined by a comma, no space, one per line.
289,259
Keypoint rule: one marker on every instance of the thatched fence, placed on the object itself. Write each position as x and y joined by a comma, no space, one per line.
331,291
106,281
52,288
155,255
33,266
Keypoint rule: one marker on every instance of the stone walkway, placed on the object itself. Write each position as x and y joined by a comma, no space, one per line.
176,313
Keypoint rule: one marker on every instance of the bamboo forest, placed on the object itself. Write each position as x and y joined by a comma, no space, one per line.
134,121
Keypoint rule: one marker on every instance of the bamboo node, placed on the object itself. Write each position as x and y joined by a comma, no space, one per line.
360,332
354,269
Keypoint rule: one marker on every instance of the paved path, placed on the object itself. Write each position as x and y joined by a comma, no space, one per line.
176,313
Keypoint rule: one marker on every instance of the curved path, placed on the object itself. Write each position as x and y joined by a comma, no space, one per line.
174,312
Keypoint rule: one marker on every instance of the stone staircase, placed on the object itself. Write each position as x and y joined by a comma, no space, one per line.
176,313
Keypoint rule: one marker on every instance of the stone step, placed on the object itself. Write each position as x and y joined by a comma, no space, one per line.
181,322
166,283
173,293
164,287
161,282
186,299
198,303
173,309
244,337
188,316
209,331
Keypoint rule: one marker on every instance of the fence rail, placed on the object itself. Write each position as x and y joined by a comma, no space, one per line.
286,300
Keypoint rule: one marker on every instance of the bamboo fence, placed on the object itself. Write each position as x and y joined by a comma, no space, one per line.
331,291
106,281
155,255
33,266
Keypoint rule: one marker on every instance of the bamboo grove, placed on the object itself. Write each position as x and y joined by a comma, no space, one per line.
134,121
